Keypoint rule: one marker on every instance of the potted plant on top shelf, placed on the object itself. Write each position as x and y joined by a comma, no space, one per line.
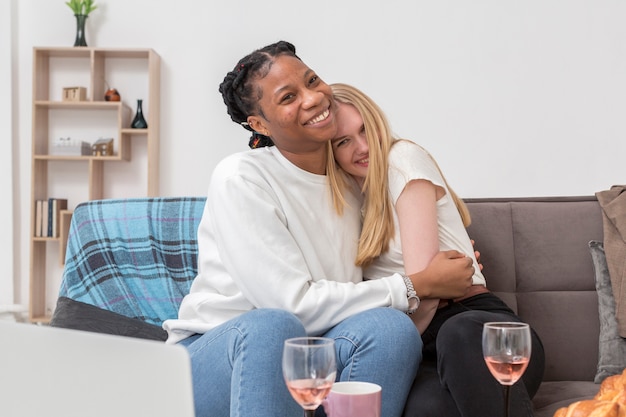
81,9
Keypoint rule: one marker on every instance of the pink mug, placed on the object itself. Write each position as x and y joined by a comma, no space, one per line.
353,399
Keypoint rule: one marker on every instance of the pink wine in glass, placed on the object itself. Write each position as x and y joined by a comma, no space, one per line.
505,369
309,393
309,368
506,349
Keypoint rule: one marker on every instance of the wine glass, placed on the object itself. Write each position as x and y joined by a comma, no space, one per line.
506,348
309,368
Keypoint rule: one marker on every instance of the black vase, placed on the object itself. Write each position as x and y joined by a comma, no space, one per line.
139,122
80,30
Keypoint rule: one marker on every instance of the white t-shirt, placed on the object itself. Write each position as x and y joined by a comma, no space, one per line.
409,161
270,238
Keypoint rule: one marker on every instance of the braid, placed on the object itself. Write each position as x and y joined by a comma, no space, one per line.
236,107
239,91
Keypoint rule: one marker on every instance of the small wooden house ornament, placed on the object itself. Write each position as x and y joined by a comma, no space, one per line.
74,94
102,147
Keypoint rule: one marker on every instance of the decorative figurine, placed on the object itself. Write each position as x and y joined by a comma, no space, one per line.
112,95
139,122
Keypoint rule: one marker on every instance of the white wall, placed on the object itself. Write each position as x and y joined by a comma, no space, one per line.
7,139
513,98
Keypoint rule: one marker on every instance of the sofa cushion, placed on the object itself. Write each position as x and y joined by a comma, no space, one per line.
556,394
71,314
612,347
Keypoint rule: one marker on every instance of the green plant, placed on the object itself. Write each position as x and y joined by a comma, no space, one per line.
83,7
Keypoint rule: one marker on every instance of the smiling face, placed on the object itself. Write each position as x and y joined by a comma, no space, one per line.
350,147
296,108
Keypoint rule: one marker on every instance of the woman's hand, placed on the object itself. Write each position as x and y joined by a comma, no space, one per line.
449,275
477,255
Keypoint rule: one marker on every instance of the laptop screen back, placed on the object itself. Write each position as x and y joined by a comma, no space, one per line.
50,372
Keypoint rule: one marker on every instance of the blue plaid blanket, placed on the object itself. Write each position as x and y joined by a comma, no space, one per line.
135,257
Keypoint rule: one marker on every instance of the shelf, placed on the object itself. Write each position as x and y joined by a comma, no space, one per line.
46,239
80,105
65,218
78,158
131,131
133,71
86,52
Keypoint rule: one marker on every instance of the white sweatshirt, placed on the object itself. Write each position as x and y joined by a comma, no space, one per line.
270,238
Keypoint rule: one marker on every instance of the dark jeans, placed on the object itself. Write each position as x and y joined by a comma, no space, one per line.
453,379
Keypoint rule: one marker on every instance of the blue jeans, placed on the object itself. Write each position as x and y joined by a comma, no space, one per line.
236,366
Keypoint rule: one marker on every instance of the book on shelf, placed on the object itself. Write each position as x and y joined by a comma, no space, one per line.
44,218
58,204
48,216
38,208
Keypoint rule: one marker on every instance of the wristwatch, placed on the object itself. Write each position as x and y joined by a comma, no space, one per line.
411,295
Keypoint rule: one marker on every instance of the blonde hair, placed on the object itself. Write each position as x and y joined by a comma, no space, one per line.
378,224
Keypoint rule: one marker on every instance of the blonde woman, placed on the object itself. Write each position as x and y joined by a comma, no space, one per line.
410,214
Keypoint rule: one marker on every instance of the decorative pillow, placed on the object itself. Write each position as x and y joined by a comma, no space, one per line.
72,314
612,352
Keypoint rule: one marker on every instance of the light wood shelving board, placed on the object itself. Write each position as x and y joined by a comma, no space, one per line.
92,64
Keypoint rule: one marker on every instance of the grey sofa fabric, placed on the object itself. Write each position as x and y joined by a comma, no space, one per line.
72,314
536,258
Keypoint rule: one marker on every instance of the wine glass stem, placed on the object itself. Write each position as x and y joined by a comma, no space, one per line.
507,391
309,413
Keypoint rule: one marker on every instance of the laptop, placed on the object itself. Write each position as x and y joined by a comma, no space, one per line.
53,372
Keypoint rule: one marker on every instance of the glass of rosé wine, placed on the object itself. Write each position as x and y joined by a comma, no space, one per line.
309,368
506,349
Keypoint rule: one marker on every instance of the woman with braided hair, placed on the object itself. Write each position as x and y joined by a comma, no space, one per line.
275,258
401,179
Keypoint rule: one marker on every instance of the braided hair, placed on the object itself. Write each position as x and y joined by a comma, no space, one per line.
238,88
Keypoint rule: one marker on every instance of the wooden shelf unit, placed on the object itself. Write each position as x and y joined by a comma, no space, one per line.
93,65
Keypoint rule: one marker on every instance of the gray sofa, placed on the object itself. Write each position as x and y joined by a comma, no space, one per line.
534,250
536,257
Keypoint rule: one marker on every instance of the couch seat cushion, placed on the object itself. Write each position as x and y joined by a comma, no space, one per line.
72,314
553,395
